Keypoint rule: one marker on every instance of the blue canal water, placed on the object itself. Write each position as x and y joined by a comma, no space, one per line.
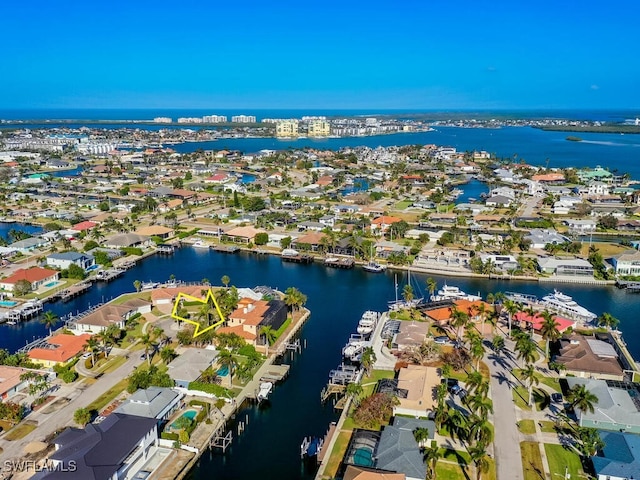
471,190
5,228
337,299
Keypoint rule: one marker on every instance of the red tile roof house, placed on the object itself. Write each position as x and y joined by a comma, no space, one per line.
35,275
62,348
82,226
536,321
383,223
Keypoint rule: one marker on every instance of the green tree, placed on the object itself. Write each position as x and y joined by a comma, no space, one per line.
137,284
529,375
261,238
82,416
549,330
92,345
431,455
269,335
432,285
607,320
75,271
368,359
583,399
480,458
22,287
49,319
147,342
354,390
226,359
225,281
167,354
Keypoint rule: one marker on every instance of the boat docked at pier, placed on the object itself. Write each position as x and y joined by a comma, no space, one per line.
368,322
450,292
264,391
566,305
199,244
355,346
374,267
311,446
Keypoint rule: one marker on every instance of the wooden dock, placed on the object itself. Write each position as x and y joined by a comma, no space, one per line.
342,262
275,373
226,248
108,275
74,290
304,259
324,451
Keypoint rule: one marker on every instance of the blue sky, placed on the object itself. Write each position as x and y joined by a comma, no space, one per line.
430,54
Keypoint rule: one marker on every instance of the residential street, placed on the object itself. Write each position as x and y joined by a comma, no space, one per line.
507,437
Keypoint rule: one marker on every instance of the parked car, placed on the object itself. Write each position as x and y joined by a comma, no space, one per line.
143,356
441,340
557,398
86,355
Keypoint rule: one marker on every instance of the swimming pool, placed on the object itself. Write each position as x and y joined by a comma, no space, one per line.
224,371
52,284
190,414
7,303
363,457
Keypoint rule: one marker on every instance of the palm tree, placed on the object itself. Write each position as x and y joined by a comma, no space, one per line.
226,359
511,308
431,456
421,435
269,335
478,454
458,320
431,286
368,359
456,423
477,351
148,343
608,320
525,347
528,374
480,429
354,390
225,281
582,398
92,346
407,293
167,354
549,330
49,319
498,344
137,284
474,379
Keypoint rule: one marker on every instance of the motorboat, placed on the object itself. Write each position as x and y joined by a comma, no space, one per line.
149,285
199,244
374,267
449,292
264,391
354,347
311,446
566,305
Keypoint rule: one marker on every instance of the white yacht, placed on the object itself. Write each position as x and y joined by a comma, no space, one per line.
367,323
354,348
374,267
448,292
265,390
199,244
566,305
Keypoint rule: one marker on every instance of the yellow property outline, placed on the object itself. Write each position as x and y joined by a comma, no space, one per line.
197,331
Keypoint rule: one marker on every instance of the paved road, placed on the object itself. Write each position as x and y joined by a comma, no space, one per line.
507,438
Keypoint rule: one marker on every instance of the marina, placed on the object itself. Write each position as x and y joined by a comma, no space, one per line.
340,262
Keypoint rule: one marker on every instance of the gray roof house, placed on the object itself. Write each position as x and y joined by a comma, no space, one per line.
189,366
28,244
565,266
620,457
152,402
398,451
539,237
65,259
126,240
617,408
103,451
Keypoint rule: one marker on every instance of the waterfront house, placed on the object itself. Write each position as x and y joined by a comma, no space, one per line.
618,459
581,226
398,451
410,335
166,296
420,384
65,259
626,263
251,315
527,321
109,450
354,472
498,201
110,314
83,226
189,365
588,357
28,245
152,402
155,231
58,349
616,409
127,240
36,276
311,241
574,267
242,234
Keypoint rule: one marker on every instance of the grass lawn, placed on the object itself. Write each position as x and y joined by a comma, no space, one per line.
369,383
112,364
283,327
606,249
540,398
5,426
129,296
551,383
449,471
547,427
531,461
20,431
338,452
402,205
133,335
528,427
108,396
559,457
457,456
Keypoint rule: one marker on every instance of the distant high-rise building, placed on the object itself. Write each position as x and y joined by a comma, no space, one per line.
287,128
243,119
189,120
162,120
319,128
214,119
